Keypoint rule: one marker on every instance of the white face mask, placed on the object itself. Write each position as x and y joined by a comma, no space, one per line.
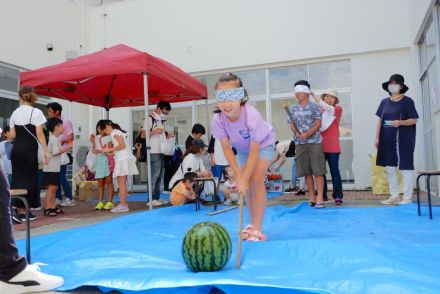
394,88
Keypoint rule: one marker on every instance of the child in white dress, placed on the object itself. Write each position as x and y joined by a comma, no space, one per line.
125,162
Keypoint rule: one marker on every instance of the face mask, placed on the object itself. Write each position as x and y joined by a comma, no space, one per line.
394,88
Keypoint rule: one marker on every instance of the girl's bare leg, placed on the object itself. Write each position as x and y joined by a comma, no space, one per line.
122,184
111,189
101,183
258,193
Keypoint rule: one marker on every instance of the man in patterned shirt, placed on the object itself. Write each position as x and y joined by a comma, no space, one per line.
309,156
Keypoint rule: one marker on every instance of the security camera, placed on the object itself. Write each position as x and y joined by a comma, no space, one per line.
49,47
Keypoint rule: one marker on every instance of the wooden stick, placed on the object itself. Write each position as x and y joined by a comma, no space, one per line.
292,121
222,210
240,228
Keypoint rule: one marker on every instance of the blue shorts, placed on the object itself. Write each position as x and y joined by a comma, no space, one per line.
264,153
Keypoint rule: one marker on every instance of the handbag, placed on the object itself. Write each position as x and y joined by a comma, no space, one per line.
140,149
110,158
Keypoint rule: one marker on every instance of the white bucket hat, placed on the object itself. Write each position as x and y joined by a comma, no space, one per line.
332,92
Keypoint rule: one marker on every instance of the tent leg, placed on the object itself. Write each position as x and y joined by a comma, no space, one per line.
147,141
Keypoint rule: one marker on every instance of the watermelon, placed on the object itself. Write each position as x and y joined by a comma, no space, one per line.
206,247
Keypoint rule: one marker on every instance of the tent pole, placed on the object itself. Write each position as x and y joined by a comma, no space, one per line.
147,140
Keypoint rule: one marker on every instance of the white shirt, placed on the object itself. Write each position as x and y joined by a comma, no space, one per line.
155,140
219,156
53,147
7,167
125,153
282,147
191,163
22,115
105,140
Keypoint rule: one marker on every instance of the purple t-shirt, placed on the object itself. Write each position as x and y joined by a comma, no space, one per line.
249,127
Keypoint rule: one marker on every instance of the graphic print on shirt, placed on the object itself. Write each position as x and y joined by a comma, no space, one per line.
244,134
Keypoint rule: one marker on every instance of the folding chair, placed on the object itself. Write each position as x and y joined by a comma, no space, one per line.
199,185
17,194
428,174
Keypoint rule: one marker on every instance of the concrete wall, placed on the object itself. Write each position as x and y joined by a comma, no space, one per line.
27,26
202,35
368,72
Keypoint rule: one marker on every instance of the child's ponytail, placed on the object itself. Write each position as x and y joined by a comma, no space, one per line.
106,122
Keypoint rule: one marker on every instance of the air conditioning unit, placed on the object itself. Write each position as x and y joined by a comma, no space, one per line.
80,150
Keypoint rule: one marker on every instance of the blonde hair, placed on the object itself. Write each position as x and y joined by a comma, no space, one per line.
27,94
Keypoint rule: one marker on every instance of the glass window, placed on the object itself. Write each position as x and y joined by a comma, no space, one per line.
345,126
282,79
204,116
260,106
254,81
427,46
279,118
8,78
430,42
330,75
210,81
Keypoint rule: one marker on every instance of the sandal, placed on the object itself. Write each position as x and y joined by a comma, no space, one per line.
311,203
319,205
257,236
58,209
50,212
247,232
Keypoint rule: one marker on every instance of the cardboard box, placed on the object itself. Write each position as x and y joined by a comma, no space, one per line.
88,190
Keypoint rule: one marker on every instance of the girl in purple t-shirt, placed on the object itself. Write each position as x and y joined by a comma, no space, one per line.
241,125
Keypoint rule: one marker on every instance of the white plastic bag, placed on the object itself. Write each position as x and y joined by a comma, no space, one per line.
208,188
168,146
91,161
65,159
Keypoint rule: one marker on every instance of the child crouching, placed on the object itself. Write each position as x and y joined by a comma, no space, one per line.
183,191
230,188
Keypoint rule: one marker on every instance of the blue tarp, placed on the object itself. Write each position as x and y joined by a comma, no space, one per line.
339,250
139,197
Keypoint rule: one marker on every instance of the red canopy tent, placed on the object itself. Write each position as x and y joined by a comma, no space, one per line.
116,77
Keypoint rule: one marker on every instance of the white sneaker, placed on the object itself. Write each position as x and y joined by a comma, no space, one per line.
68,202
391,201
228,202
57,201
156,203
36,208
31,280
405,201
120,208
163,201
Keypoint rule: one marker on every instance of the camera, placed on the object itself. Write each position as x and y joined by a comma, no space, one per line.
49,47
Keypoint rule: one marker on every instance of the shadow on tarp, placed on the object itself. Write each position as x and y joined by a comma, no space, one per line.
339,250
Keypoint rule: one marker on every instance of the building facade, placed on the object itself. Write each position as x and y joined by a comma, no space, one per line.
353,46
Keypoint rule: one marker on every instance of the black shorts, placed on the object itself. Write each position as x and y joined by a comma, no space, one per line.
51,178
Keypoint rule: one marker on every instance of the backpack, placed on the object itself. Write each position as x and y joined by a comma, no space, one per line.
140,146
291,151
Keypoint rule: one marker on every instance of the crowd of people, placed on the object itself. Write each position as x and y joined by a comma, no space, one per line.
30,163
242,149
